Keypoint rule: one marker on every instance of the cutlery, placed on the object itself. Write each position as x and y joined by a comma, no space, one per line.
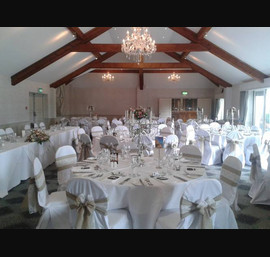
180,178
195,166
141,182
124,181
148,182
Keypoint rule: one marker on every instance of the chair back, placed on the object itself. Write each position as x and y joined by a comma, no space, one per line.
97,131
229,177
166,131
27,127
191,152
9,131
198,204
108,142
80,132
202,139
65,159
88,201
2,132
84,147
42,125
171,143
256,168
40,183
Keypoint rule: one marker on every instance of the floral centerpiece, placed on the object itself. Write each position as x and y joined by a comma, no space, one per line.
38,136
140,113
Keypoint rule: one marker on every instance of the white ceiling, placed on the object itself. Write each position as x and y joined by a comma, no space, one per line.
22,46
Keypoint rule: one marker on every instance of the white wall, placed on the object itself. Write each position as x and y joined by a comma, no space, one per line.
112,98
15,99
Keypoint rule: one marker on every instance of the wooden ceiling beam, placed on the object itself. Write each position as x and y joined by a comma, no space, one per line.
222,54
144,71
56,55
213,78
109,65
81,70
160,47
201,34
76,32
80,35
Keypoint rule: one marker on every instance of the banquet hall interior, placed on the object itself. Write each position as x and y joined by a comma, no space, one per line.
134,128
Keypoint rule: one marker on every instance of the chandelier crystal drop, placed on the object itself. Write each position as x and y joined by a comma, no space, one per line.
174,77
138,44
107,77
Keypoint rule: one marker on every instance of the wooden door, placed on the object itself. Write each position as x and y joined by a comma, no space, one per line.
165,108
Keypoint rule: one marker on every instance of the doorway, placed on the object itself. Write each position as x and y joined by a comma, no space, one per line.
38,110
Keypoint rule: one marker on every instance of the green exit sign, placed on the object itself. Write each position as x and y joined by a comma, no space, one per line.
184,93
40,90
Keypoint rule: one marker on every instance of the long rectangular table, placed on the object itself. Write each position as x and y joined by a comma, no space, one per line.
16,159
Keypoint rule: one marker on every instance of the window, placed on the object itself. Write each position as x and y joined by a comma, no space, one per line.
219,113
254,109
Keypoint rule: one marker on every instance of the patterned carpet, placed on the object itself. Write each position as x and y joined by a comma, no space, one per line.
13,217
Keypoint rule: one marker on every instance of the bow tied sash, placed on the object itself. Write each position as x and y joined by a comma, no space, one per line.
255,169
205,207
86,209
202,141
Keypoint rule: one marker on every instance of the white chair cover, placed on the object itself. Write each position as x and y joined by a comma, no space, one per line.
201,207
65,159
190,134
260,187
205,127
183,138
122,130
248,148
80,132
109,142
84,149
88,201
161,126
42,125
234,146
191,152
147,143
171,143
229,178
97,133
55,205
166,131
215,126
264,150
27,127
2,132
211,154
9,131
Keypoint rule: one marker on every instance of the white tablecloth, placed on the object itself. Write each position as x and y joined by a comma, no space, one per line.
144,202
16,159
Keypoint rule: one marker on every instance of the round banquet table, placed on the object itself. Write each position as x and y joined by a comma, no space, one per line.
143,201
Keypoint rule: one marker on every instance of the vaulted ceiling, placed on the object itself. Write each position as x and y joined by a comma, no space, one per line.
57,55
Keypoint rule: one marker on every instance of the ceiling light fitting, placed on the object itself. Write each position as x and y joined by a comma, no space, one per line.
174,77
138,44
107,77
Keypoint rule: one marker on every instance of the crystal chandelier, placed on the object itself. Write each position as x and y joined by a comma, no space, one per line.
138,44
174,77
107,77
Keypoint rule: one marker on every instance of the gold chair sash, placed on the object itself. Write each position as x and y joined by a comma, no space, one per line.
206,208
85,209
